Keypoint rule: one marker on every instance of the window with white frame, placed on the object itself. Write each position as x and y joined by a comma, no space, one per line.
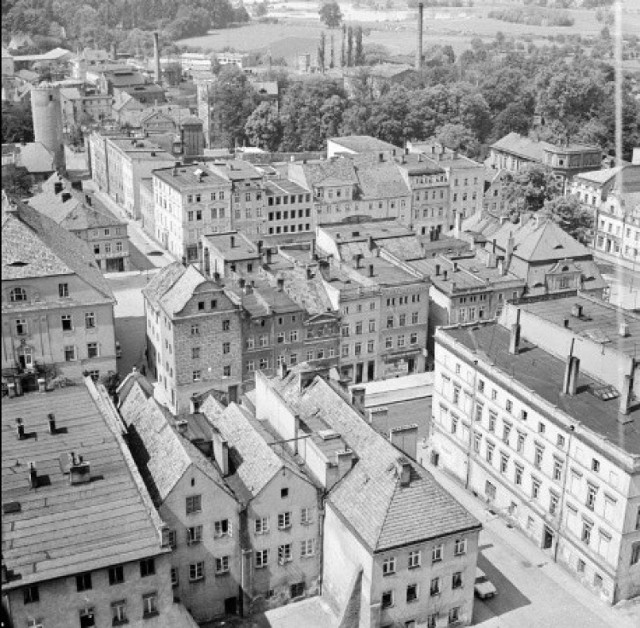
306,516
262,558
194,535
284,520
119,612
261,525
222,565
307,548
389,566
460,547
149,604
193,504
415,559
196,571
222,527
436,553
284,553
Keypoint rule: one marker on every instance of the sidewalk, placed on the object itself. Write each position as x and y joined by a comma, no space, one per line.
137,236
625,616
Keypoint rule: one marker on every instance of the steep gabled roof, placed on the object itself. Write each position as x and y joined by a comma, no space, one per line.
251,459
371,497
381,180
162,455
33,245
521,146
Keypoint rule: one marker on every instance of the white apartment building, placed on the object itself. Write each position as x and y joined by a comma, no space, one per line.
546,433
189,201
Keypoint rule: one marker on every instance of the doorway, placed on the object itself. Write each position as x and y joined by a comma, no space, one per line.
371,371
411,365
359,371
547,538
231,606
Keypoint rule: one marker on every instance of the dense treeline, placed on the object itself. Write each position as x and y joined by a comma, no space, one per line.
98,23
532,16
490,91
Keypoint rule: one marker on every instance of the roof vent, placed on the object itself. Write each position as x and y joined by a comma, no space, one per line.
79,470
20,429
182,426
328,434
623,329
33,475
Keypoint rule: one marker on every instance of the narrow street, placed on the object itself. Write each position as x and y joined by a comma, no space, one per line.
533,591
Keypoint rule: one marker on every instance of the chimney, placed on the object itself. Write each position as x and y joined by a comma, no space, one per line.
113,51
625,400
514,338
371,243
356,260
156,58
571,371
419,42
576,310
509,252
493,246
221,452
623,329
357,398
437,270
268,255
87,199
182,426
280,284
312,250
232,241
344,460
33,475
77,185
282,370
404,471
51,417
455,267
370,270
445,273
309,274
65,196
242,282
79,471
259,246
405,438
20,428
58,187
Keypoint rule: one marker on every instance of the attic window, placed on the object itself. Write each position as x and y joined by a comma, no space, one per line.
565,269
558,246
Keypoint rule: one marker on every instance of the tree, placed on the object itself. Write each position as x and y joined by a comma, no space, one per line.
235,100
17,125
529,189
359,58
349,47
332,52
343,47
514,118
458,137
16,181
330,14
263,128
321,49
568,213
260,9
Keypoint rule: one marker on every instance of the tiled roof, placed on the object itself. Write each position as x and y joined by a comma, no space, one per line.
521,146
537,241
63,529
74,214
34,156
382,180
251,459
162,455
333,172
364,143
173,286
33,245
371,498
599,177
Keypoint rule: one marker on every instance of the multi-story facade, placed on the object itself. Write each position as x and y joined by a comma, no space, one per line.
230,254
83,542
193,336
248,199
200,512
57,308
118,165
465,176
190,201
387,566
430,203
545,432
87,218
514,151
592,188
281,519
617,227
288,206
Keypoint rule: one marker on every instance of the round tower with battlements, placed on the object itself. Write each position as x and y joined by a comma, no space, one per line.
47,120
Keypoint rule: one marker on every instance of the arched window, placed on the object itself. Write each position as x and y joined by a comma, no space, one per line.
18,294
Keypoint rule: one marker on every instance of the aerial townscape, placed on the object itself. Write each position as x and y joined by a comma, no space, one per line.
320,314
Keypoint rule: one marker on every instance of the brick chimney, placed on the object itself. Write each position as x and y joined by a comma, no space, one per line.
514,337
571,372
220,452
79,470
419,40
357,398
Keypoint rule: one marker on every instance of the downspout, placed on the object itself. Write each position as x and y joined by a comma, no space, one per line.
563,493
472,421
321,517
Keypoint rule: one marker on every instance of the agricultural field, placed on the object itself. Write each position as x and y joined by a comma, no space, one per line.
298,28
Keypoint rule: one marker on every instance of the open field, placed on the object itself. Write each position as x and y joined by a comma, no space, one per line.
300,29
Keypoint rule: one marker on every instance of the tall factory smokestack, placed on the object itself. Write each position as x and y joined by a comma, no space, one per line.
156,58
419,50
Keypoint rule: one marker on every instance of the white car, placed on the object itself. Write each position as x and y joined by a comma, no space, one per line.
483,588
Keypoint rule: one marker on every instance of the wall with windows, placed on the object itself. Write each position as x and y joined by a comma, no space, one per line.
60,321
131,591
571,492
203,522
283,533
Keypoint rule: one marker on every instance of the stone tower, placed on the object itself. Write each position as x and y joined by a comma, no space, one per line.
192,136
47,120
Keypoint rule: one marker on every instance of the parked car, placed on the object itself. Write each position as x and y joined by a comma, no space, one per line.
483,588
118,349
